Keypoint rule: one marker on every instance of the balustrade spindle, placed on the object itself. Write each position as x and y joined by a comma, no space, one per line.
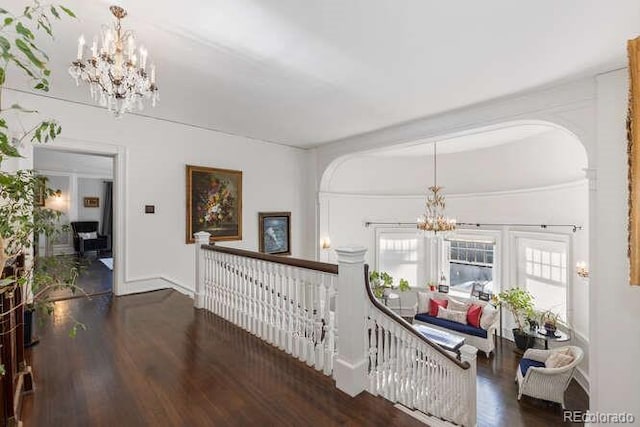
290,307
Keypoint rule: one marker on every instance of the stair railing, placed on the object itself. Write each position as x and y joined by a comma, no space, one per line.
326,315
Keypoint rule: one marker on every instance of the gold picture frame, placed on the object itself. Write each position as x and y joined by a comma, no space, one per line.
633,152
91,202
214,203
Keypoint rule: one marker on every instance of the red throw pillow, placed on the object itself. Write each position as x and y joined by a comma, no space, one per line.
473,315
435,304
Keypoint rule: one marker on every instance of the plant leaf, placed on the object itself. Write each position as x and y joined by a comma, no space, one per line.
24,31
54,12
24,67
24,48
8,21
6,148
67,11
4,44
1,76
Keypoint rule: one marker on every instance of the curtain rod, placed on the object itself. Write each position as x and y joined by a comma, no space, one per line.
574,227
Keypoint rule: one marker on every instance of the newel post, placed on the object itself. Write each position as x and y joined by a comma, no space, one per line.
350,367
468,353
202,238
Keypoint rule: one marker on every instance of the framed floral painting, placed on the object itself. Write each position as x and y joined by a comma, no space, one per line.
214,203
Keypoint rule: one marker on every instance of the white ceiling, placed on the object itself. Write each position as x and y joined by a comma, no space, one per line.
45,160
306,72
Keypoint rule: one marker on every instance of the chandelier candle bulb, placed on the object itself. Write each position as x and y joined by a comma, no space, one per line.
81,43
143,58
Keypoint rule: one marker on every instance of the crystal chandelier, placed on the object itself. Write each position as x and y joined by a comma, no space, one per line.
434,219
117,77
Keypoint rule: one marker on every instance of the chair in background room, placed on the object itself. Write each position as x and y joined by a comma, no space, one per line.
86,237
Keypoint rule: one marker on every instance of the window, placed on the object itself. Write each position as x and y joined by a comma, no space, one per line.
398,254
542,270
471,261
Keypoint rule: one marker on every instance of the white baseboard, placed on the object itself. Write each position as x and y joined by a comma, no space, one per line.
153,284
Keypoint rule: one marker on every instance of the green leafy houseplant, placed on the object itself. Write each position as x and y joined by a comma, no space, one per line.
520,303
381,281
20,219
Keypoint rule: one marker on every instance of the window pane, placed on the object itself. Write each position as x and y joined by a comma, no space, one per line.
542,269
398,256
546,271
546,257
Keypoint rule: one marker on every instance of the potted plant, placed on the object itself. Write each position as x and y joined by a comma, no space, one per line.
520,303
382,283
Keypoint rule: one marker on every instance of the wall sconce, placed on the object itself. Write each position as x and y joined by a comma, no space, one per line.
325,243
582,270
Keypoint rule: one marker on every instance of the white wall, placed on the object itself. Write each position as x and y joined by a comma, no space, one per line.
90,187
155,153
615,306
546,159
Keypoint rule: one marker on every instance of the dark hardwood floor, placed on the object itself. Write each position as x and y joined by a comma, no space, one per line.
95,278
150,359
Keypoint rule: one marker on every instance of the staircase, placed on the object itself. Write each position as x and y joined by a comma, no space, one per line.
326,316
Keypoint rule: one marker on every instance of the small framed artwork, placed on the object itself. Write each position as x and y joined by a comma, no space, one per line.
443,289
476,289
214,203
484,296
91,202
275,232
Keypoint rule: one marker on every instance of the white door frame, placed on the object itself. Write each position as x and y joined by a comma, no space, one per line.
119,154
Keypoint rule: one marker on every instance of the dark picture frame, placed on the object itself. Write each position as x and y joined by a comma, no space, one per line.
91,202
443,289
484,296
213,203
476,289
275,232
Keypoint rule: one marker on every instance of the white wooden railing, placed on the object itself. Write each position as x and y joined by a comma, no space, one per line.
289,306
320,313
407,368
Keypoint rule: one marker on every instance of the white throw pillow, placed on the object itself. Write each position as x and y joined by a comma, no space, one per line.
423,302
453,315
458,305
489,314
558,359
87,236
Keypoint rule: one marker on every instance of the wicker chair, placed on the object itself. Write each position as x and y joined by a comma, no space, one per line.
547,383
